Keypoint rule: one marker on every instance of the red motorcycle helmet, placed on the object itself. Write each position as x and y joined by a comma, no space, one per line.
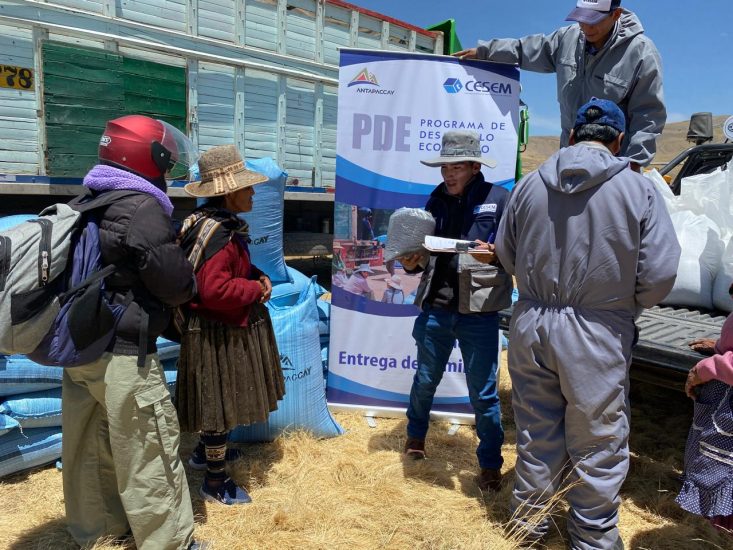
150,148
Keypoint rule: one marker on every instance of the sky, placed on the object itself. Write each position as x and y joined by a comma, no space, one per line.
694,39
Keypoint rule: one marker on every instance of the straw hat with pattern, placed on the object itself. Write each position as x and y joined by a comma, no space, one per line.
222,172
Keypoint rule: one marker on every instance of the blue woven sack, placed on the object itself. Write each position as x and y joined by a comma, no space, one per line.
8,222
18,374
288,293
7,423
41,409
304,406
28,449
266,220
167,349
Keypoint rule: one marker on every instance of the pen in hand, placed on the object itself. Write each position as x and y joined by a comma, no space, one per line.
463,247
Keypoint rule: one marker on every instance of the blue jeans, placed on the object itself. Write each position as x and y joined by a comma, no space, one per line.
435,332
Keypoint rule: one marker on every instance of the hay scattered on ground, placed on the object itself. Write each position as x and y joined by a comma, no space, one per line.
356,492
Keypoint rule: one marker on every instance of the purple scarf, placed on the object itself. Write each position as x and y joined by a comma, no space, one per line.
108,178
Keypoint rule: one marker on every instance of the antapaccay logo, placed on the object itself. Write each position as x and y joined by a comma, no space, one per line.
290,373
364,77
260,240
367,83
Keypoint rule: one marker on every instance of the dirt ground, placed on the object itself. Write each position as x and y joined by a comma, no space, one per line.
357,492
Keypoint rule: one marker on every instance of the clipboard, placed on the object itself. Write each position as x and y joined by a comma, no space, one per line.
452,246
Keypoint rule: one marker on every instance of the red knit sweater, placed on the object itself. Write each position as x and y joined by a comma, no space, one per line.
227,286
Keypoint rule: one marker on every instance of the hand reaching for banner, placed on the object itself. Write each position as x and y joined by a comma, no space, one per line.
470,53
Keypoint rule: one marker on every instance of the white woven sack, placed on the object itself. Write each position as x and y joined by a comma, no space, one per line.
721,299
702,249
709,194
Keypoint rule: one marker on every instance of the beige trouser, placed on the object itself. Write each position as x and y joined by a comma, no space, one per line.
121,467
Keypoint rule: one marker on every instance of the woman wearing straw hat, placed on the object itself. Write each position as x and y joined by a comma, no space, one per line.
229,369
394,294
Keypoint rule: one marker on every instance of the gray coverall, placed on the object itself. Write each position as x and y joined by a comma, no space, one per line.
590,243
627,70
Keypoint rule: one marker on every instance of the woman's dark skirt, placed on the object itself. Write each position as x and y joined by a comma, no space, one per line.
227,375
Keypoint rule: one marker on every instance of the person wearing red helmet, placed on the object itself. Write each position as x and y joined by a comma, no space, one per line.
121,470
151,149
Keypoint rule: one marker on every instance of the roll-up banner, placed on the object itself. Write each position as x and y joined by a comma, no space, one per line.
393,109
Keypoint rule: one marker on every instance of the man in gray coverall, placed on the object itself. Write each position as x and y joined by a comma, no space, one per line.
591,244
606,55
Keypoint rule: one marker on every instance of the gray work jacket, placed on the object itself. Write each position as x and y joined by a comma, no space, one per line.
627,70
586,232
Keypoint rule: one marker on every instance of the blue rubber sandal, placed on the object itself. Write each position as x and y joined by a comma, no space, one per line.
229,493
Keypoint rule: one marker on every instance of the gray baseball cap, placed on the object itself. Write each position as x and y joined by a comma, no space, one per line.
460,146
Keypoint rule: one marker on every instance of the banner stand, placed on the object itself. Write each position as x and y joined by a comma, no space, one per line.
393,109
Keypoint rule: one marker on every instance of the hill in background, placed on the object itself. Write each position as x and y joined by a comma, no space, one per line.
672,142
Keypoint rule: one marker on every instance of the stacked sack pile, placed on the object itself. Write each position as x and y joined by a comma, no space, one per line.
30,394
30,409
703,220
30,414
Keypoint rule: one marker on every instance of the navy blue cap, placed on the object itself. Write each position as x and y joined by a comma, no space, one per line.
612,116
592,12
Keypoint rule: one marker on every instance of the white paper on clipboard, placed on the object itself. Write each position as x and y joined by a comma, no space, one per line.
453,246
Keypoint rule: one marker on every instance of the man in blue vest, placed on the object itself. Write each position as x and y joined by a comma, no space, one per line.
465,206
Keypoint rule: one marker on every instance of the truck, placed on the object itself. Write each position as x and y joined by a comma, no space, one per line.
258,73
662,355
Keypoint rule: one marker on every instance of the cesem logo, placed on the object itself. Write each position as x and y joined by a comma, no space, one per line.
105,140
452,85
364,77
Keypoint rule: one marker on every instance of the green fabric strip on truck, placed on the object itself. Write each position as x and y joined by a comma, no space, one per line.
84,88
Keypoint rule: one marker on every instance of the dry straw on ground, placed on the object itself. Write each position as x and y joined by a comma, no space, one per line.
356,492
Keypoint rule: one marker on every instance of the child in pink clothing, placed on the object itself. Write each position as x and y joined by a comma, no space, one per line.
707,488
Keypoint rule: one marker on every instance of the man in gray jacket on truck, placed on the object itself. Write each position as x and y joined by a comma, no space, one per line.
591,244
606,55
